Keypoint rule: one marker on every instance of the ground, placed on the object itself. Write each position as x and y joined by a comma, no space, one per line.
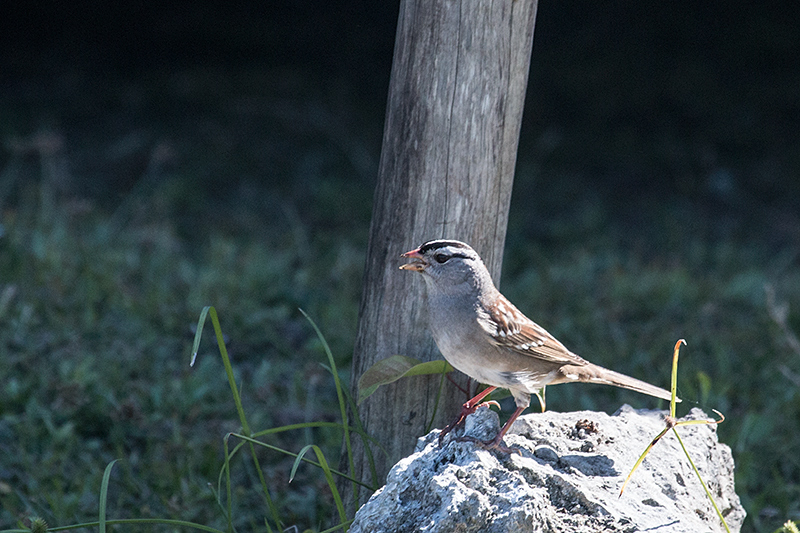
656,198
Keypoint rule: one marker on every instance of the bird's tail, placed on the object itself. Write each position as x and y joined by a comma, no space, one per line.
596,374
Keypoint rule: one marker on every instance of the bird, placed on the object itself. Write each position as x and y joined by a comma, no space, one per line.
482,334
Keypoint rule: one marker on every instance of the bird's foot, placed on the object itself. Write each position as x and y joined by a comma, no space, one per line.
448,428
494,444
497,443
466,410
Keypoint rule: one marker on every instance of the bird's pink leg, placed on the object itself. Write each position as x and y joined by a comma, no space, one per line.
467,409
497,443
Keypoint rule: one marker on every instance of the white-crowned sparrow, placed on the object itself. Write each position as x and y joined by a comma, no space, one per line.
483,335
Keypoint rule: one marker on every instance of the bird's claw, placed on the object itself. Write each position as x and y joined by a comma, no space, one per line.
494,444
466,410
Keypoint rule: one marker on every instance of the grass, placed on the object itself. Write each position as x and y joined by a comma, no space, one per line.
97,328
101,284
671,422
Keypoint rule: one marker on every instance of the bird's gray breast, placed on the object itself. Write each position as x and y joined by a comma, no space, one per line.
453,323
455,326
459,326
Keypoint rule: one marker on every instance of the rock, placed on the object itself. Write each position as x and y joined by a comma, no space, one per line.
567,479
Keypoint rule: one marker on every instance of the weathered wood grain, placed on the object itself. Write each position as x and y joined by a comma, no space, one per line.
453,117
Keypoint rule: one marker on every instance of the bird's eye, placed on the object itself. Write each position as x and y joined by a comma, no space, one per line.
441,258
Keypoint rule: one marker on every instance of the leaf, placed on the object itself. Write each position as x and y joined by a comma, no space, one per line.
104,495
323,464
393,368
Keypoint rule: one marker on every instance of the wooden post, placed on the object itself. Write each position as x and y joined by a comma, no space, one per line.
453,117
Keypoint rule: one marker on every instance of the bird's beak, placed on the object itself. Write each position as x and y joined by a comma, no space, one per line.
417,264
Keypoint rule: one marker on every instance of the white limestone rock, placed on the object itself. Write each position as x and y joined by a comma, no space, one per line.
567,479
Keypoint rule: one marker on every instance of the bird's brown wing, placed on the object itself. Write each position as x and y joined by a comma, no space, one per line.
509,328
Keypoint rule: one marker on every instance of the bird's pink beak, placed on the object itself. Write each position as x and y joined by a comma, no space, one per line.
417,264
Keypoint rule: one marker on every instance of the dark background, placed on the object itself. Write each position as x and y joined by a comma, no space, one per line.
646,74
657,187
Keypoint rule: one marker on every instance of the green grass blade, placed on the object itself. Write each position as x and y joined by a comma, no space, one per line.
703,483
641,458
211,311
334,528
337,498
359,428
217,498
255,442
297,461
225,476
303,425
223,350
225,473
127,521
339,394
264,489
199,333
674,380
323,464
104,496
228,490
